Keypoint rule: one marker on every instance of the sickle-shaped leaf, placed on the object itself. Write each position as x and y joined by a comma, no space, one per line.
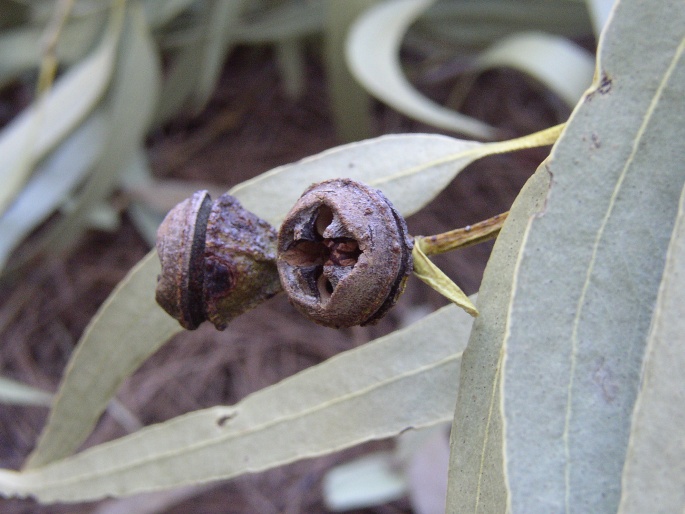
132,105
375,63
16,393
35,131
52,183
405,379
476,481
557,62
411,169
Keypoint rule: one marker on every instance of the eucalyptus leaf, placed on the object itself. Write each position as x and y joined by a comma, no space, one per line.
573,313
476,474
291,64
160,12
131,106
33,133
477,25
562,66
103,359
393,163
434,277
16,393
52,183
406,379
599,10
349,101
367,481
375,63
410,169
20,48
655,464
284,21
219,37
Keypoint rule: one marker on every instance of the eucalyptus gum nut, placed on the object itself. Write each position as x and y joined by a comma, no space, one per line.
240,261
218,261
180,246
344,254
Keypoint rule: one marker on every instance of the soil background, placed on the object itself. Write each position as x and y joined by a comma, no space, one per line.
239,135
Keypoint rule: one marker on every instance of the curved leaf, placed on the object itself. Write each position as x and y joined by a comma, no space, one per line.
410,169
35,131
375,64
557,62
51,184
349,101
102,361
476,25
284,21
219,36
406,379
476,476
131,106
129,109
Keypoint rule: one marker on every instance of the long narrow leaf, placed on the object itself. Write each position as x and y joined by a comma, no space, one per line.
375,63
476,476
557,62
52,183
16,393
36,130
131,104
406,379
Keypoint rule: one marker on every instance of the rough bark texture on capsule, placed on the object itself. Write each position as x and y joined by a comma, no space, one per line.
344,254
218,261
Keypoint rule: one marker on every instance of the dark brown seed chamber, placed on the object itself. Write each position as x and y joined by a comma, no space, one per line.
218,261
344,254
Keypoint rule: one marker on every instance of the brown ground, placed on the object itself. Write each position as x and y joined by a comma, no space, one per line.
43,315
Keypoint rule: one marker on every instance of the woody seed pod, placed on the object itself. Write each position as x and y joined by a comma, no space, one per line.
344,254
218,261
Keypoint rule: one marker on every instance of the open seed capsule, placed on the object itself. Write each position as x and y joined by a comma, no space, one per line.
344,254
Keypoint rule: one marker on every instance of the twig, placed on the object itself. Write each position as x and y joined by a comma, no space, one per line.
462,237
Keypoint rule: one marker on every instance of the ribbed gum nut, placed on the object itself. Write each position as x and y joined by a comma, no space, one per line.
344,254
180,246
218,261
240,261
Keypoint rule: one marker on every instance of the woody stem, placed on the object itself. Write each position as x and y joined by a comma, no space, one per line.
462,237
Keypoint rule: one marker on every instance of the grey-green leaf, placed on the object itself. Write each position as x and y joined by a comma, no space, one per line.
33,133
52,183
406,379
16,393
375,63
557,62
476,475
655,465
586,281
103,360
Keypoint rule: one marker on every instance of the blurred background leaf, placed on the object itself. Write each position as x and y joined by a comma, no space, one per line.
194,38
